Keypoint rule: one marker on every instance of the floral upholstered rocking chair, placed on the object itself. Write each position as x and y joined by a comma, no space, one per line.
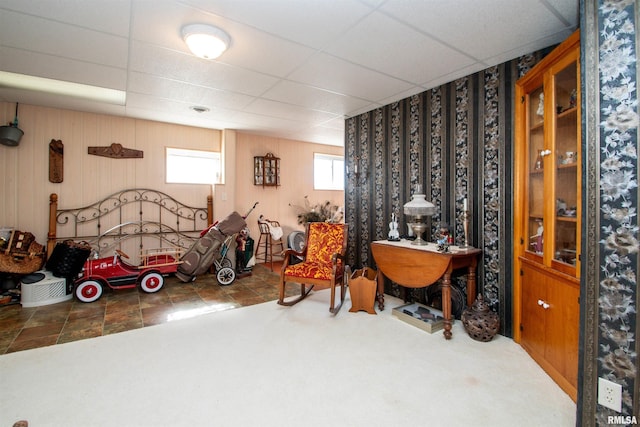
323,263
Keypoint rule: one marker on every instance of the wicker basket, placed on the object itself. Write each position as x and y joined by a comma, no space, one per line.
22,262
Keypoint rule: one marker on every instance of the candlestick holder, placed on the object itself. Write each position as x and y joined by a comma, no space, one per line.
465,226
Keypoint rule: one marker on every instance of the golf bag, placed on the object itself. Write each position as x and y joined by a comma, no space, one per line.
199,258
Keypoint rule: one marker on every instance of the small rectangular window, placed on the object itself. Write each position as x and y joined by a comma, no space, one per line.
328,172
192,166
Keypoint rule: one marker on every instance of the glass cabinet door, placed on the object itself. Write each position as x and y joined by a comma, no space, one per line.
552,133
258,172
567,160
271,171
536,155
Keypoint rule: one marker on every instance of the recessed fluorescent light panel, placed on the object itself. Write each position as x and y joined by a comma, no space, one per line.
59,87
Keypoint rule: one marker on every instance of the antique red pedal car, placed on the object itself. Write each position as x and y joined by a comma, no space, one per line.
115,273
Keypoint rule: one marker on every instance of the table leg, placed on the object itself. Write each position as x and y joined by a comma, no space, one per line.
446,304
380,291
471,284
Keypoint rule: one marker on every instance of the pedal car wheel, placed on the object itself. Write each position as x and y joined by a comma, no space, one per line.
151,282
226,276
89,290
226,263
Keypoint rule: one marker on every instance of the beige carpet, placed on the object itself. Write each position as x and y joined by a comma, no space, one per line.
267,365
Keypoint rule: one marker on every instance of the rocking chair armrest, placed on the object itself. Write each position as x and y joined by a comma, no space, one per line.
336,256
334,263
288,252
286,255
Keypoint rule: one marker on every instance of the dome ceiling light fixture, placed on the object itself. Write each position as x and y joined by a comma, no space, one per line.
205,41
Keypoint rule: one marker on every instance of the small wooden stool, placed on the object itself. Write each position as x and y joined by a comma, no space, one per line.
362,289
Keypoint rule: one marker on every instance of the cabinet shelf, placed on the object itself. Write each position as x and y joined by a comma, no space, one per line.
563,168
565,114
569,167
567,218
539,216
537,126
569,113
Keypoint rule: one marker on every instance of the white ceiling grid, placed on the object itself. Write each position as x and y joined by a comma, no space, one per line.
295,68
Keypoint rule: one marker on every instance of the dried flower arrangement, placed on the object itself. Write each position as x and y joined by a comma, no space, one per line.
320,212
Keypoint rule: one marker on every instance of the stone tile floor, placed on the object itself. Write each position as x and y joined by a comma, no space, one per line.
123,310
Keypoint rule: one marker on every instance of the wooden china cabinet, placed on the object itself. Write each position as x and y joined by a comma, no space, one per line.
547,213
266,170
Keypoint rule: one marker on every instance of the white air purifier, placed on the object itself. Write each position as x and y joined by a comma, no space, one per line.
43,288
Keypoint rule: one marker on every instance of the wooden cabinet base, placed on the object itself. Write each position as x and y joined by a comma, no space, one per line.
549,325
566,386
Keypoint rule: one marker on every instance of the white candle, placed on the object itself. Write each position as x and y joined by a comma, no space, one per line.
465,205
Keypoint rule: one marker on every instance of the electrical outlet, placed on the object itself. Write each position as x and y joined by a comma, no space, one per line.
610,394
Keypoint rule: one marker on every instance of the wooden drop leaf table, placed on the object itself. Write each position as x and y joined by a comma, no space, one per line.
419,266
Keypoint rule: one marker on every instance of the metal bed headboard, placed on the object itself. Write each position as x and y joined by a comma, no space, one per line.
147,217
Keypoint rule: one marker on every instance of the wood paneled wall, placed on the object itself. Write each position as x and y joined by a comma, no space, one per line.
24,170
296,177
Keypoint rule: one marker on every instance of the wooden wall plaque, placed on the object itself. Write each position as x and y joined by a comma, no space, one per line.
116,151
56,161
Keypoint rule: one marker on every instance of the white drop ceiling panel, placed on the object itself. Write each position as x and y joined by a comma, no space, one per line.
111,17
337,75
278,109
405,53
312,23
314,98
36,34
295,69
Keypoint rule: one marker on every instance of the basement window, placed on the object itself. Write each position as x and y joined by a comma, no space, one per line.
192,166
328,172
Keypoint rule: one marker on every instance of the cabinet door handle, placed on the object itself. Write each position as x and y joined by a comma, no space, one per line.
543,304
